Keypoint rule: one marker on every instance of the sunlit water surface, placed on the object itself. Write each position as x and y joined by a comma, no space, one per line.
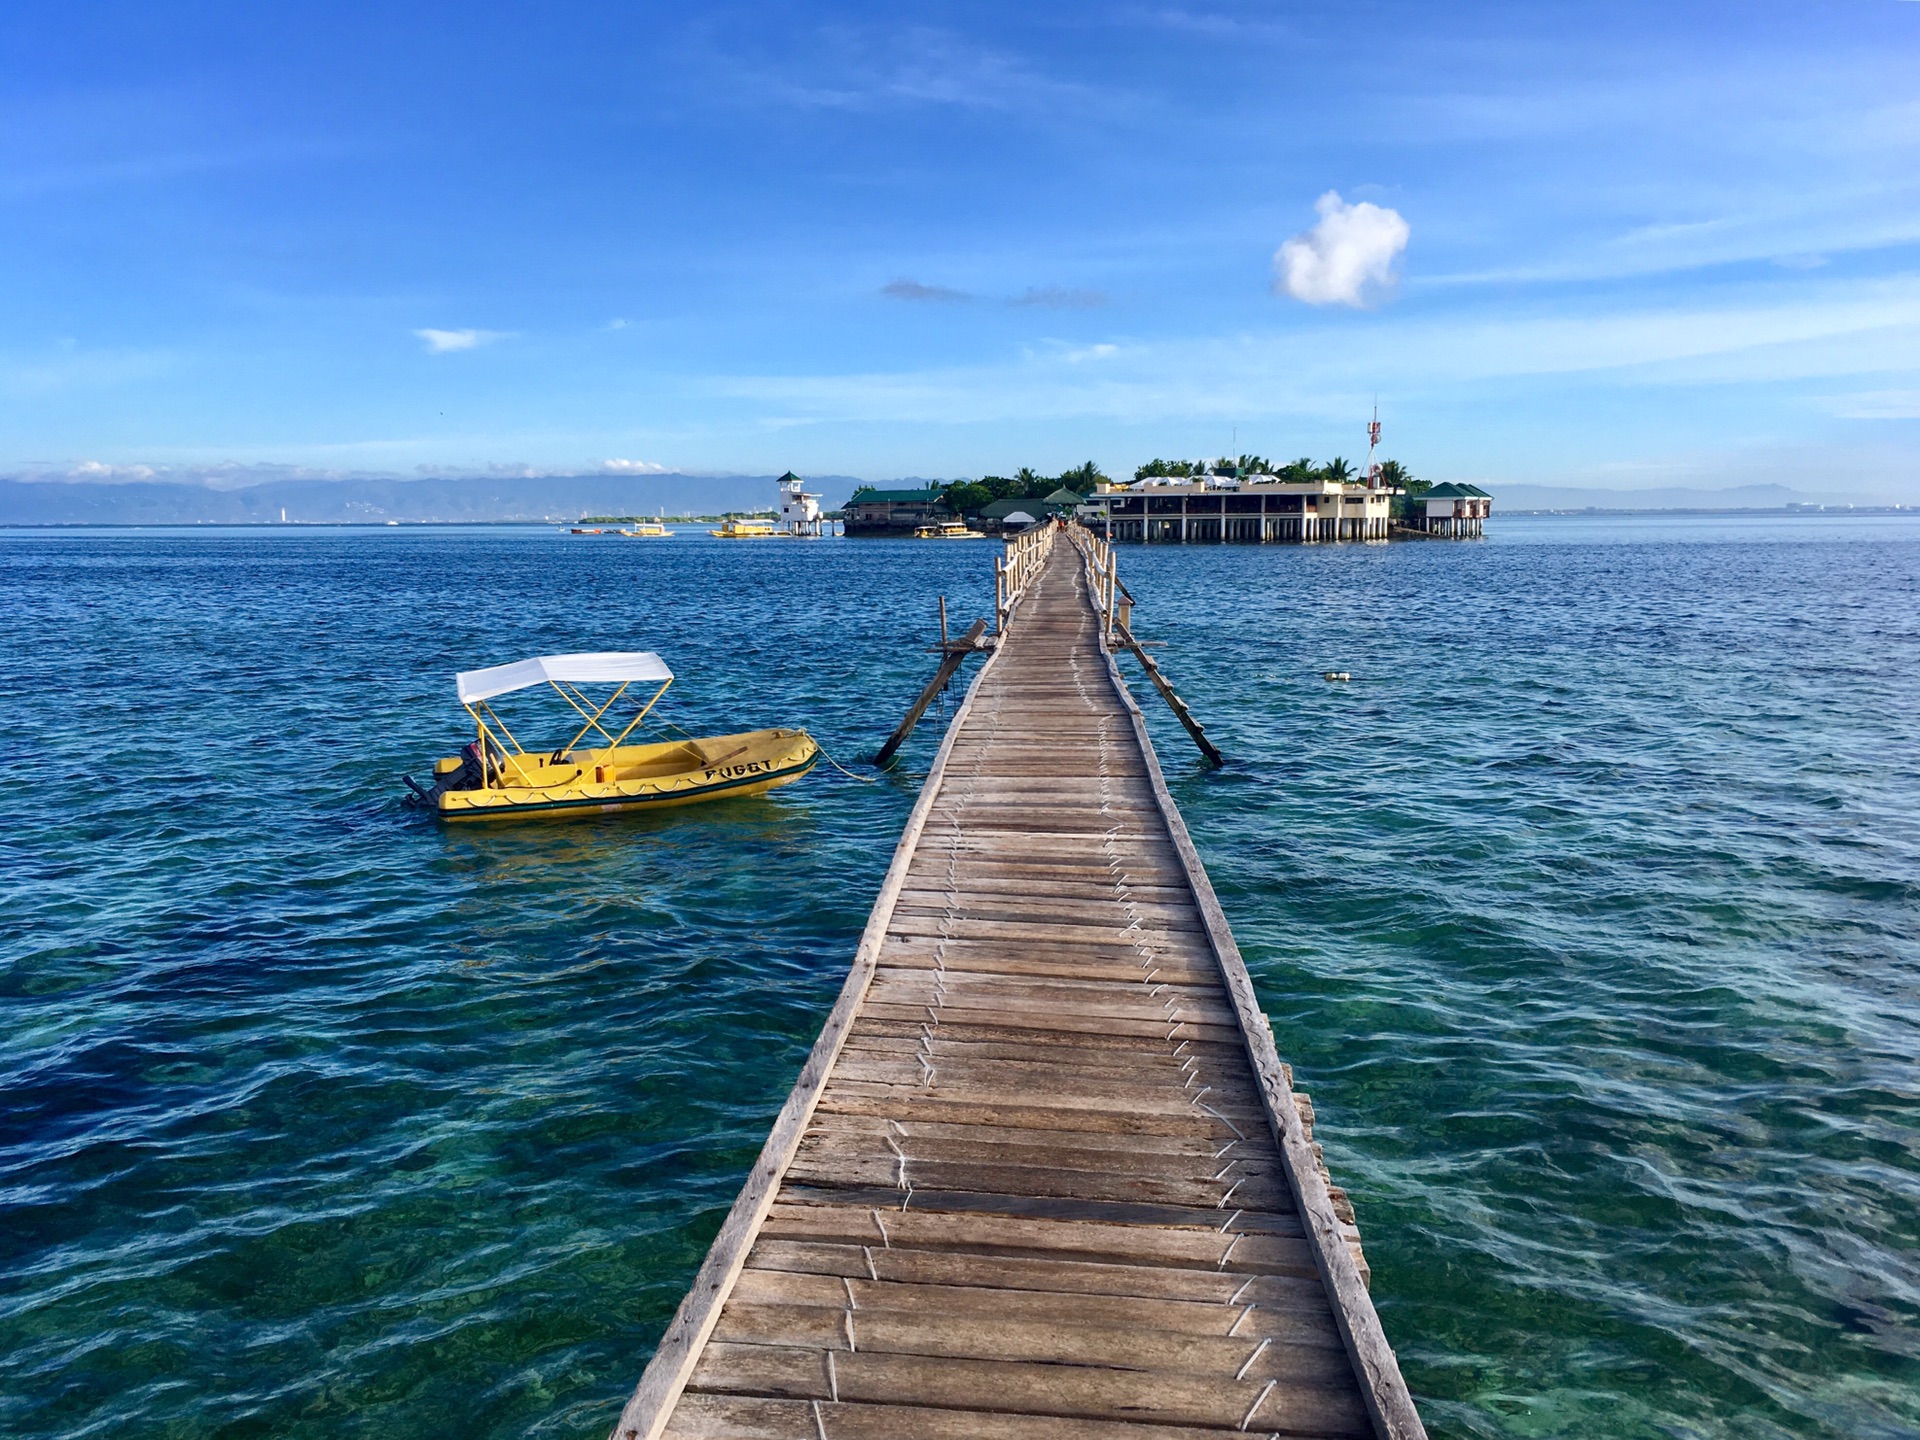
1588,911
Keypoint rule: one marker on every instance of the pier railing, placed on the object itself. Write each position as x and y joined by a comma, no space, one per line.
1104,578
1026,553
1115,607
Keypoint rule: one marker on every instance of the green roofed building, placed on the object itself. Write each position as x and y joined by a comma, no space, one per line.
1452,509
892,512
1015,513
1018,512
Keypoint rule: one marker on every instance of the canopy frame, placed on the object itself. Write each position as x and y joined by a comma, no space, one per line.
496,760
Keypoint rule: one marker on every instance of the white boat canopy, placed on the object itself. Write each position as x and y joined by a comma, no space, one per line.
604,667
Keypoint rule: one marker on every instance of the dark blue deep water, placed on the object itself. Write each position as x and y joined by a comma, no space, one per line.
1588,912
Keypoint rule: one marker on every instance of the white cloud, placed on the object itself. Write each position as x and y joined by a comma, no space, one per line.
632,467
98,470
439,342
1341,259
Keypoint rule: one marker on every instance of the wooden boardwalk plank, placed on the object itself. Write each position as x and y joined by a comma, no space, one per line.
1042,1177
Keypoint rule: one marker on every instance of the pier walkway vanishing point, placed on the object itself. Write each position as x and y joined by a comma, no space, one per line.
1043,1176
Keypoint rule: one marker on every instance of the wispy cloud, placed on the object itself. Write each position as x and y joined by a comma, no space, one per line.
873,67
1345,259
914,290
1878,405
632,467
1060,297
1844,330
1034,297
441,342
68,367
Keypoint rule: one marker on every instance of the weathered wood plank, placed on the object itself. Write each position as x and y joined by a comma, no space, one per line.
1186,1144
1298,1289
1254,1252
887,1199
1085,1392
1053,1023
957,1334
829,1146
729,1417
1181,1317
1199,1236
1080,963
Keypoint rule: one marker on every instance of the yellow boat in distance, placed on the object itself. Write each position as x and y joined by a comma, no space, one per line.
947,530
488,780
647,530
735,528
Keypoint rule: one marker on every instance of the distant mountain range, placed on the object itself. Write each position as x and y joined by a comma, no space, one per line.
377,499
1512,498
224,497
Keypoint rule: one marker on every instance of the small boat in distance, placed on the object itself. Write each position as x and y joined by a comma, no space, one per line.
947,530
647,529
488,780
736,528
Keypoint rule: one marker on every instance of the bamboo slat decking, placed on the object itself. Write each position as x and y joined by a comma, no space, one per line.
1043,1177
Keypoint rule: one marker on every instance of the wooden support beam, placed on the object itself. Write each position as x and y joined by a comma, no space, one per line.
1168,694
955,654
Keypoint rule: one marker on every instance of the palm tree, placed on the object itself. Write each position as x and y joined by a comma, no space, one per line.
1255,465
1394,475
1082,480
1338,471
1031,481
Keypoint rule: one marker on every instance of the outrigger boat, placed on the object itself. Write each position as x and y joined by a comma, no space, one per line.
647,530
947,530
488,780
737,529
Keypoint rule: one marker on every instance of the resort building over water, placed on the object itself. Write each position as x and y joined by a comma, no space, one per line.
1217,509
893,512
1451,509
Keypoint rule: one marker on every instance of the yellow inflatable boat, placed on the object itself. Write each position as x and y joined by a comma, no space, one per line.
495,777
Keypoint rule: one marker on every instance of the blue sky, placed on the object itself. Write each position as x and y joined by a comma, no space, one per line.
1643,244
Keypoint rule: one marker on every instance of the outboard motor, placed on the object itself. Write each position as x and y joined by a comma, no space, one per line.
461,772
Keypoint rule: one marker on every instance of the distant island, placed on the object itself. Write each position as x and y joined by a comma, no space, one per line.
270,495
376,500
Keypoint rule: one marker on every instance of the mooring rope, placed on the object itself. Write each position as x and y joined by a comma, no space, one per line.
863,779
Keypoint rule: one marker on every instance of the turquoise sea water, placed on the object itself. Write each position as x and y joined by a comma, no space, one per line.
1588,912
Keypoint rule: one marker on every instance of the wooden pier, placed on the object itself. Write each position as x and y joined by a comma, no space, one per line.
1043,1176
